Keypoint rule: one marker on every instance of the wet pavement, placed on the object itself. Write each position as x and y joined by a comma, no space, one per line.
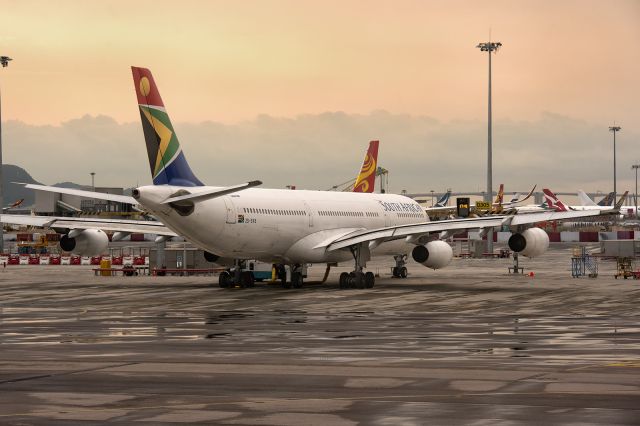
469,344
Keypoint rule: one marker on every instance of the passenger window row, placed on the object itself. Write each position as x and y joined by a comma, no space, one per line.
416,215
281,212
347,214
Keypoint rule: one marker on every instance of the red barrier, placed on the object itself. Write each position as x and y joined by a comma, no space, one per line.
54,260
95,260
138,260
34,260
14,260
116,260
589,237
625,235
554,237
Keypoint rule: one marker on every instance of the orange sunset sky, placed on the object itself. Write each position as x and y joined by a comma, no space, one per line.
232,62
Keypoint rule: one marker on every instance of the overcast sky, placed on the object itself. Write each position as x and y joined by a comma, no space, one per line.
291,92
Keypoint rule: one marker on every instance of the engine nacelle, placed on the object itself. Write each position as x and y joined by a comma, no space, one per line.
435,254
531,243
214,258
89,242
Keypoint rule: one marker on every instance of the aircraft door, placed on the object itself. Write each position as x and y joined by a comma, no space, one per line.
309,213
232,217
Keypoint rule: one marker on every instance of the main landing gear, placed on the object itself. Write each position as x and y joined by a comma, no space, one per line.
400,270
237,276
358,278
297,272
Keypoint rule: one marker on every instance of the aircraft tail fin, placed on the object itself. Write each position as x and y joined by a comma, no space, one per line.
500,195
366,180
621,200
553,202
607,201
166,159
442,202
585,200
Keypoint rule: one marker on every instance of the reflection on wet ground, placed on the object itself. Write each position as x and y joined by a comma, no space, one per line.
420,335
439,342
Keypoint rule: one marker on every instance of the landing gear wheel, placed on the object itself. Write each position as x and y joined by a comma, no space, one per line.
403,272
225,280
351,281
246,279
369,280
395,272
296,280
356,281
344,280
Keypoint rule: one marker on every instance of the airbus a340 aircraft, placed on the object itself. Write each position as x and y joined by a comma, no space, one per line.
292,228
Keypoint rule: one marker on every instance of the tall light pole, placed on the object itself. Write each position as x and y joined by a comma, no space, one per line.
4,60
489,47
93,182
614,129
636,167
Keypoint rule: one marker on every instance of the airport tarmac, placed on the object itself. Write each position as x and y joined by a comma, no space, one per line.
469,344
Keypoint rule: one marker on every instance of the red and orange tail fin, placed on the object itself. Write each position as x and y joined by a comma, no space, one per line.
366,180
500,195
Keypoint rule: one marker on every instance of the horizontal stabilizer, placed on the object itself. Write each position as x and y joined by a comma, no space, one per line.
114,225
212,193
81,193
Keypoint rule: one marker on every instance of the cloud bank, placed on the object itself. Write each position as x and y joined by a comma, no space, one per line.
318,151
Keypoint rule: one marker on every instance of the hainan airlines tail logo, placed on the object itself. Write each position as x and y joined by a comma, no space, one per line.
367,177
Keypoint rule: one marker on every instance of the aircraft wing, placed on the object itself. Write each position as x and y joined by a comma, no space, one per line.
115,225
82,193
419,229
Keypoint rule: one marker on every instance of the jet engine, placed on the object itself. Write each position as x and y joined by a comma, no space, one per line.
531,243
87,242
214,258
434,254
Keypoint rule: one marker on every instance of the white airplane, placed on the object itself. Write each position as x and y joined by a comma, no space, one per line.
293,228
554,202
585,200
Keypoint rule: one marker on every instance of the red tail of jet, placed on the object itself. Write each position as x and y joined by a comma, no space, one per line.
366,180
553,201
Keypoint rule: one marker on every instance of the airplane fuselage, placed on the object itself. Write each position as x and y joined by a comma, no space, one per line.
279,225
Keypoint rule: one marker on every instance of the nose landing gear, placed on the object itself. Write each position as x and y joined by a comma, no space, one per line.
237,277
